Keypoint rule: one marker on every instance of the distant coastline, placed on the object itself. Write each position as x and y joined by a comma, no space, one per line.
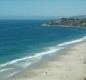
67,22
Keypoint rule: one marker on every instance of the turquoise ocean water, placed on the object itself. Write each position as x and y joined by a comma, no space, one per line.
24,42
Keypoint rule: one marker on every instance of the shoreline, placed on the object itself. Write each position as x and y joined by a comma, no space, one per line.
64,26
69,66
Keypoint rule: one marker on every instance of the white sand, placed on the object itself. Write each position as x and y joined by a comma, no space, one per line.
71,66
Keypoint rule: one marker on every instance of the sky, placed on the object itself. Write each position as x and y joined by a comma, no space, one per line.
41,8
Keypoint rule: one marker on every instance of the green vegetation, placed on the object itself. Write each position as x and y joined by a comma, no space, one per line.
67,22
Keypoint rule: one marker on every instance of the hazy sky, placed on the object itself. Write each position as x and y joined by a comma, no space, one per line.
26,8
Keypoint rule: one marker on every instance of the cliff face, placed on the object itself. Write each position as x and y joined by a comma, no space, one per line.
67,22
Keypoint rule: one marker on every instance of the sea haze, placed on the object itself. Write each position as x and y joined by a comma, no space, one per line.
24,42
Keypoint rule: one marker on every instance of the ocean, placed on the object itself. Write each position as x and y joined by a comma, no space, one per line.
25,42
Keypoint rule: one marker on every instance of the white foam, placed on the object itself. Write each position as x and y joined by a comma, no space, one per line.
73,41
15,61
49,50
5,70
37,56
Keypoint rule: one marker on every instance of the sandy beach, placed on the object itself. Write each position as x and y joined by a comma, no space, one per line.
70,66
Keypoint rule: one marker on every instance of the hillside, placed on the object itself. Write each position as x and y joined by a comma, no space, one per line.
68,22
